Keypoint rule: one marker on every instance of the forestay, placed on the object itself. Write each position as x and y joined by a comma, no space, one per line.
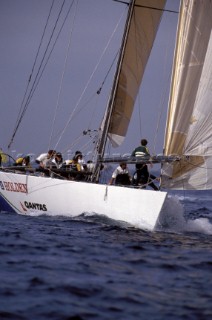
189,123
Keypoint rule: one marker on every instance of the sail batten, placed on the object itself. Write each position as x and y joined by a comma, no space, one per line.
189,122
141,35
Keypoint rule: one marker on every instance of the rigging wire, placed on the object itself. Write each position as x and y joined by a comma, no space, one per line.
45,52
139,97
47,60
84,147
164,93
94,95
105,78
18,122
161,109
83,106
139,114
90,99
63,72
92,117
100,88
36,57
88,82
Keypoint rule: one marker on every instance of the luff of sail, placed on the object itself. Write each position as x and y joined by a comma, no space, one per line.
136,48
189,122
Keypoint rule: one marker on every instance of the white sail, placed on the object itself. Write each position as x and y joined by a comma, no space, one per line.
143,26
189,123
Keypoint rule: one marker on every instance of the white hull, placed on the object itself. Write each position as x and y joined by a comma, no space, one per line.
27,194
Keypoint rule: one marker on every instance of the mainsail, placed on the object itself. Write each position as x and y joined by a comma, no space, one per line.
141,28
189,122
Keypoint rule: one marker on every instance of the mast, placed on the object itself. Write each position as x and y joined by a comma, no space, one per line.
139,34
103,139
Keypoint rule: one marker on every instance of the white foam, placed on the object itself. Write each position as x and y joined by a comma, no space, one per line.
201,225
172,219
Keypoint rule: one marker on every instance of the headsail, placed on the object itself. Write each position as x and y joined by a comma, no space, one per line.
189,122
140,34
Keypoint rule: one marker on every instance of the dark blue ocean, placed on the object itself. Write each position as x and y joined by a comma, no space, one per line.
91,267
